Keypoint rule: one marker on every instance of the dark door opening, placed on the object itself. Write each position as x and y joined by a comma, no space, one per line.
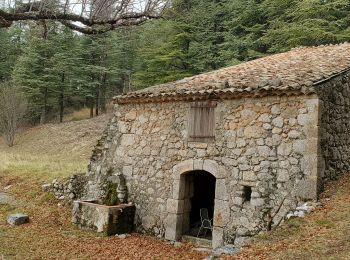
201,196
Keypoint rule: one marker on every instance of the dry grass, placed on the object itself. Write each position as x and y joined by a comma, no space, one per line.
52,150
83,113
77,115
43,167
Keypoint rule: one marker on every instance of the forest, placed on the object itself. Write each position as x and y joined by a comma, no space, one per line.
58,68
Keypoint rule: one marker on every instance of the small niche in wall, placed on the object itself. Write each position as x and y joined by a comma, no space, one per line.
247,193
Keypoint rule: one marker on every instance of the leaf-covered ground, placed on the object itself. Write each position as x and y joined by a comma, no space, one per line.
41,155
50,235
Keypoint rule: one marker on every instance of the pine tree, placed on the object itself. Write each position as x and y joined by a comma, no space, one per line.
163,56
259,28
10,46
164,50
208,34
121,59
31,70
94,62
65,66
305,23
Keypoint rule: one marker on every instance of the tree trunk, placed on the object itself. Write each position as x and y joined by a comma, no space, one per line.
13,106
90,104
103,94
97,97
91,110
10,136
44,108
10,128
61,99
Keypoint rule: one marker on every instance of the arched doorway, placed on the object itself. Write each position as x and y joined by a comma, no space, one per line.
179,204
199,196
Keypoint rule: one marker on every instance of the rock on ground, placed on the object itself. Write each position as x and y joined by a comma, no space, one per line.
17,219
6,198
228,249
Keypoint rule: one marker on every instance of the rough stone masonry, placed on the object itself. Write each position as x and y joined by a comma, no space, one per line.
281,128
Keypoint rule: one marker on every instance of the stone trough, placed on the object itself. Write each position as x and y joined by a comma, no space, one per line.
108,220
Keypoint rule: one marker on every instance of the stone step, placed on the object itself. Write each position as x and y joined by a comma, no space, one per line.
197,241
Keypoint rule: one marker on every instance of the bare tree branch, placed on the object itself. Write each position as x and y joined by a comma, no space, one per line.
86,16
13,106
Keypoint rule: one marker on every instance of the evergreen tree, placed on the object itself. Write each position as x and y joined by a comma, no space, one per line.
94,62
65,66
121,59
182,45
305,23
10,46
164,50
163,56
59,68
208,34
259,28
30,71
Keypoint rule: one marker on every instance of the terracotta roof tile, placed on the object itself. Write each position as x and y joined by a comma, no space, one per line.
298,69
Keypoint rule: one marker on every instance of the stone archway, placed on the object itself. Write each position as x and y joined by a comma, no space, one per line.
177,205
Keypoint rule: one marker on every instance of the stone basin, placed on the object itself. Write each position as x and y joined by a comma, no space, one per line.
108,220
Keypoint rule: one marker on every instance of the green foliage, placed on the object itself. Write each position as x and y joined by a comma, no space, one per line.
163,55
324,223
30,71
59,68
111,198
258,28
9,46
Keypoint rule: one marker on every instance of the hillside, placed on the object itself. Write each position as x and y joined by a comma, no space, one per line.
53,150
57,150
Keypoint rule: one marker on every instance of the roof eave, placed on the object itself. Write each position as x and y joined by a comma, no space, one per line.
216,95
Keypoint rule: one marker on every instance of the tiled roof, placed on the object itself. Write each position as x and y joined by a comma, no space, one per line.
295,71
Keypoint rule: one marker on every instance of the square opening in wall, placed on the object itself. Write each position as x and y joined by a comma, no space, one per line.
247,193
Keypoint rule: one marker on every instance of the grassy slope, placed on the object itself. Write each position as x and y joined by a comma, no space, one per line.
52,151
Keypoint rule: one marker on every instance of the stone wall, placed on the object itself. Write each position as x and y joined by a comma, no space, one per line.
269,144
67,189
335,124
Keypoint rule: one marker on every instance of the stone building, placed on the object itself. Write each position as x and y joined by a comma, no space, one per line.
249,142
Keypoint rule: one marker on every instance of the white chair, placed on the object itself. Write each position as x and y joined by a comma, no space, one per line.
205,221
